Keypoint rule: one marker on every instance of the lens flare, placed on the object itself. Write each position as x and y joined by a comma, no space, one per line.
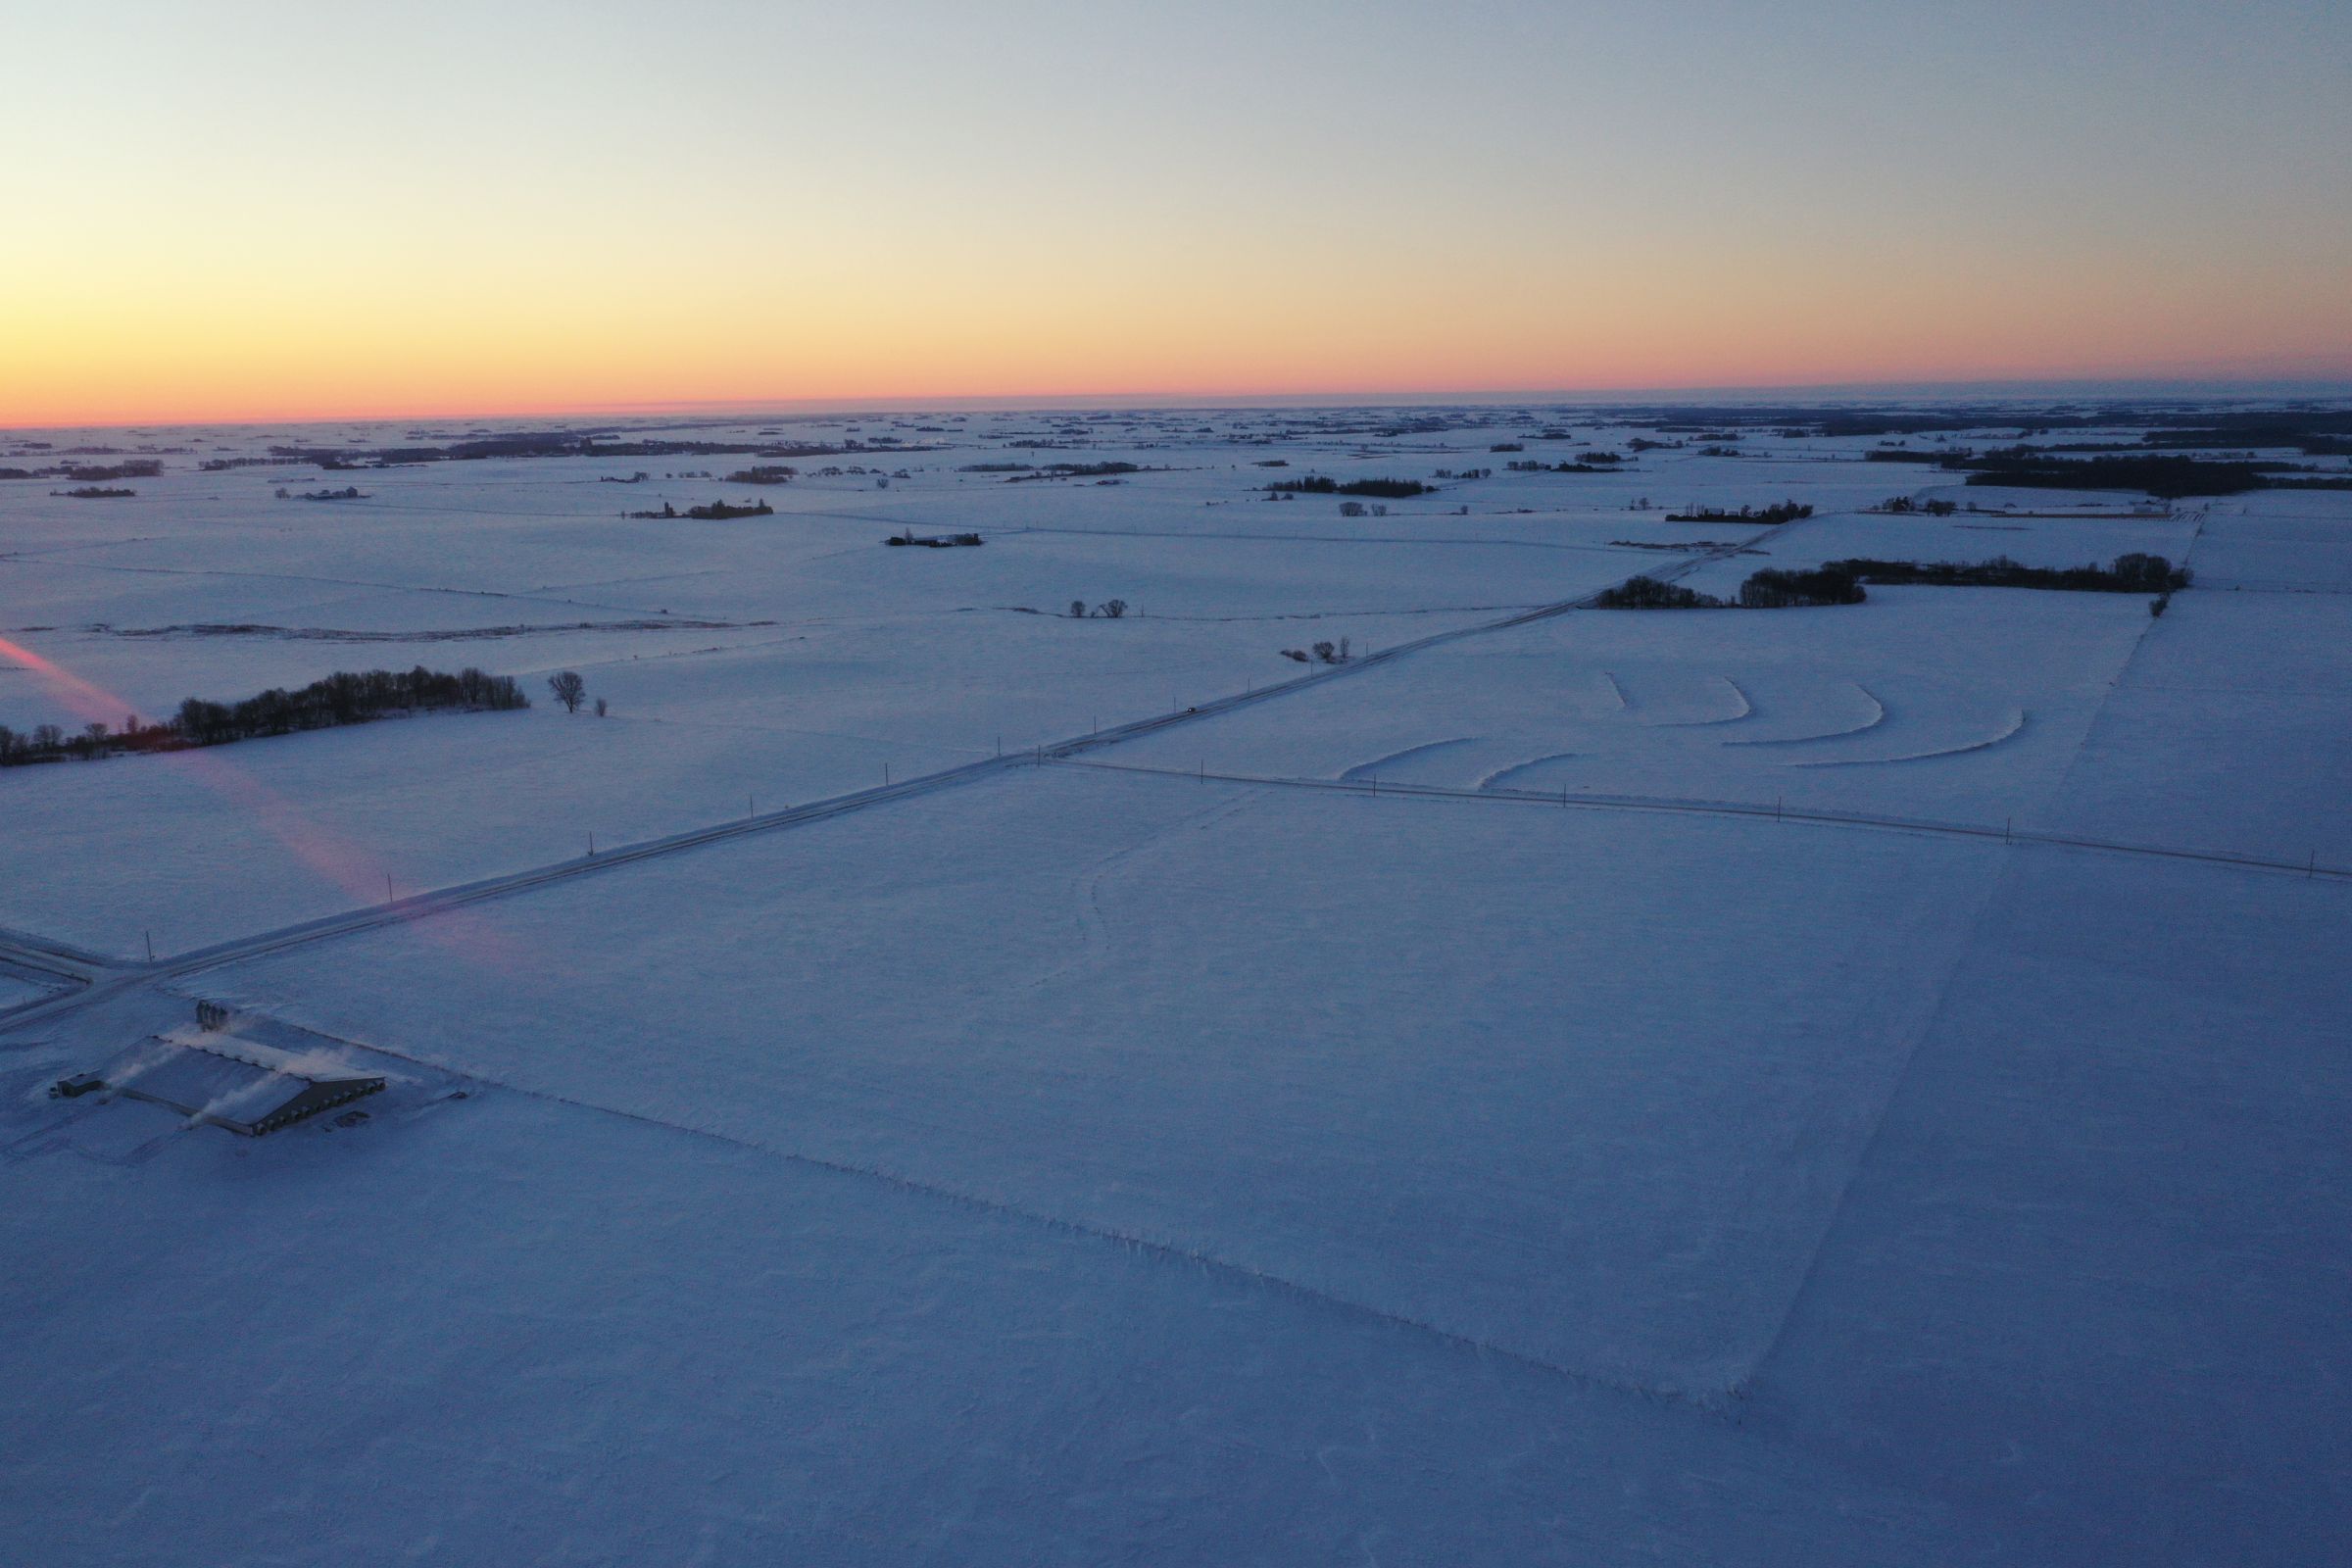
352,870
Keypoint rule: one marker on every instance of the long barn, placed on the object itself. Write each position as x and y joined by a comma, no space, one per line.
242,1085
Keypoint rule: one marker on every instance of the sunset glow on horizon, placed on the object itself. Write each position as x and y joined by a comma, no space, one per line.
274,211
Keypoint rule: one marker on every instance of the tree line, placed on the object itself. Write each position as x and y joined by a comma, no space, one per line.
2131,573
92,472
1062,470
1324,485
710,512
1786,512
1772,588
2165,477
343,698
1840,582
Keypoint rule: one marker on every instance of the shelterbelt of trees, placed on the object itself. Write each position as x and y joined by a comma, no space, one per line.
2165,477
1840,582
1323,485
91,472
343,698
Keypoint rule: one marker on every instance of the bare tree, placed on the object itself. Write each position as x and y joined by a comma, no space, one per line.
568,688
1114,608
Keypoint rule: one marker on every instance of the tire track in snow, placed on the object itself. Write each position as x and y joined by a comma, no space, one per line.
1747,709
1494,780
1372,768
1877,717
1671,806
2015,727
1093,928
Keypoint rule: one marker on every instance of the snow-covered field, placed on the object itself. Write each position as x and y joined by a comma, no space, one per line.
1922,702
1150,1007
17,990
1613,1087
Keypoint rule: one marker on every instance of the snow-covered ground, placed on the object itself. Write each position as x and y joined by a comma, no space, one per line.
1162,1010
1168,1148
17,990
1959,706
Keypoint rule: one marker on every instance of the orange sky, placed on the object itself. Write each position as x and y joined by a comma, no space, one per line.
277,213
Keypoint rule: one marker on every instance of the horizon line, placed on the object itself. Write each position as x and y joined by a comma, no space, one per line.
2250,387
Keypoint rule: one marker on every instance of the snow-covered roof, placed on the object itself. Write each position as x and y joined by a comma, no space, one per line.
239,1083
